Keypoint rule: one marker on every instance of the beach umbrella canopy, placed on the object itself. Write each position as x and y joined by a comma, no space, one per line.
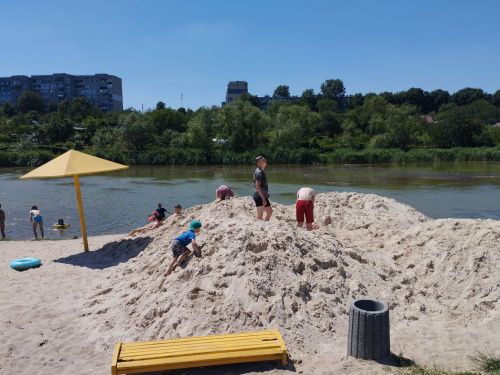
75,163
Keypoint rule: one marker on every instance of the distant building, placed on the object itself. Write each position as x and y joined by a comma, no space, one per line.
234,90
101,90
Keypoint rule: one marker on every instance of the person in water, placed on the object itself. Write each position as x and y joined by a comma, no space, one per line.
2,221
36,219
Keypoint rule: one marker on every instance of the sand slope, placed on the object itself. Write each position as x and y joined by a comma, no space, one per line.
439,277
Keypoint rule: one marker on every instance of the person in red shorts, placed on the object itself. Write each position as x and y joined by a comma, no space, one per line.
305,207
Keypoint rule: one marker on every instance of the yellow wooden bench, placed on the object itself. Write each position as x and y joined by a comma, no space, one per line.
133,358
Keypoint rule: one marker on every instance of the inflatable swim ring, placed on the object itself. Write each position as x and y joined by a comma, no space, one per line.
25,263
57,226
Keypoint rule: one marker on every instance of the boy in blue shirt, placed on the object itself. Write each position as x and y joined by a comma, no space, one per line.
179,246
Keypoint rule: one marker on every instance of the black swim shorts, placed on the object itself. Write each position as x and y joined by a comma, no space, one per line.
259,203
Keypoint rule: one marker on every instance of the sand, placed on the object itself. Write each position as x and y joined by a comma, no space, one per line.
439,277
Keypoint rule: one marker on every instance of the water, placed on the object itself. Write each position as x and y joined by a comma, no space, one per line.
117,202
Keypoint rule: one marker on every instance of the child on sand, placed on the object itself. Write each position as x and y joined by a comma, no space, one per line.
222,192
157,221
179,246
305,207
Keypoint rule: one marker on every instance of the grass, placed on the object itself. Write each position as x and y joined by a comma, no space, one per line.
487,362
486,365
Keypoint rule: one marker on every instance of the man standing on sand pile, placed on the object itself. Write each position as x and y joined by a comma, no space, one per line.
261,195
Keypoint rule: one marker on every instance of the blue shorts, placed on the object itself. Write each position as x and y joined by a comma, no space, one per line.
38,219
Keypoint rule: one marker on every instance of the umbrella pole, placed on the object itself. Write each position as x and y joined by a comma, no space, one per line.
80,210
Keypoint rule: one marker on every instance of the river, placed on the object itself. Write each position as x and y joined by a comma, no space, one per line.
117,202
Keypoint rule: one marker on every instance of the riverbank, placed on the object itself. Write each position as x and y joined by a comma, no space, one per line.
439,278
190,156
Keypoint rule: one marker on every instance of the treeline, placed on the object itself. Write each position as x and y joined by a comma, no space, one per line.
413,125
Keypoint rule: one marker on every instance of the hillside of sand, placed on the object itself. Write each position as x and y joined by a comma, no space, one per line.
439,278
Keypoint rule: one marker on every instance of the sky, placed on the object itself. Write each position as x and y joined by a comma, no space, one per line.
184,53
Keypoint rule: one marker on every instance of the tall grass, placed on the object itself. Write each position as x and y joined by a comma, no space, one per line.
180,156
487,364
374,156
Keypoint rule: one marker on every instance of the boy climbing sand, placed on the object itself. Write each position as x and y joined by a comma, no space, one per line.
179,246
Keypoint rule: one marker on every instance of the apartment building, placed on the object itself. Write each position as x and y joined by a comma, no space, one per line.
101,90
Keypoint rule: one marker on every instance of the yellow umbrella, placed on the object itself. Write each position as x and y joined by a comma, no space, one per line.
74,163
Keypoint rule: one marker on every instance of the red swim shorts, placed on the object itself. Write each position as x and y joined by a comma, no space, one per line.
304,208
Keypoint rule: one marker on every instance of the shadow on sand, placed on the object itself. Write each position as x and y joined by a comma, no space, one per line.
109,255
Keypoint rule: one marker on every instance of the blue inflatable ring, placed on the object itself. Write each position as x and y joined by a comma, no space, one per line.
25,263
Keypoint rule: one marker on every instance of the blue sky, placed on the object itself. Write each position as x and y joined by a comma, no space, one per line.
162,49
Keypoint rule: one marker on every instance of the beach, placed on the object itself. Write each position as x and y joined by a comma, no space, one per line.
439,278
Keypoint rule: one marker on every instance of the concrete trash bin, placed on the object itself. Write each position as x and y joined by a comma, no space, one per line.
368,330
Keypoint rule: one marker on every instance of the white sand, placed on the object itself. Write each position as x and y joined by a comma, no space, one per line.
440,279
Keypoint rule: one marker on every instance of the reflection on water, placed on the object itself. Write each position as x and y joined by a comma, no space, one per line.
117,202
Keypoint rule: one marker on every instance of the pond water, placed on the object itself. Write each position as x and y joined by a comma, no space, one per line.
117,202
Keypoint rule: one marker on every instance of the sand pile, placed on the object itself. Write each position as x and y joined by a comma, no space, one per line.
437,276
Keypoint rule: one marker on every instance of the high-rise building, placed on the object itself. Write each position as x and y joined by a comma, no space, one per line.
101,90
234,90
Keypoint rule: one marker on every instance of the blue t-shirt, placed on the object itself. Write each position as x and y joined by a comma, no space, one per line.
185,238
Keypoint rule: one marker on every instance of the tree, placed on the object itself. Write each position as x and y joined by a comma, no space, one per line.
483,111
467,96
57,128
455,127
416,97
495,98
64,107
7,109
160,105
104,138
252,99
30,101
327,105
242,125
333,89
282,91
79,109
293,125
168,118
202,128
52,106
309,99
137,131
356,100
437,98
403,126
388,96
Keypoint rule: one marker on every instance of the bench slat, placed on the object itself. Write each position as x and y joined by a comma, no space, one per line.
239,336
197,349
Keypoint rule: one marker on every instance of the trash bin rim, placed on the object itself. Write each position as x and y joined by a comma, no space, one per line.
383,310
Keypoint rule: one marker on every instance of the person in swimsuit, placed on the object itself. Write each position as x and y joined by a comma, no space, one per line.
2,221
36,219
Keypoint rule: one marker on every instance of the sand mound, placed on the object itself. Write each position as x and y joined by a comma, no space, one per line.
437,276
